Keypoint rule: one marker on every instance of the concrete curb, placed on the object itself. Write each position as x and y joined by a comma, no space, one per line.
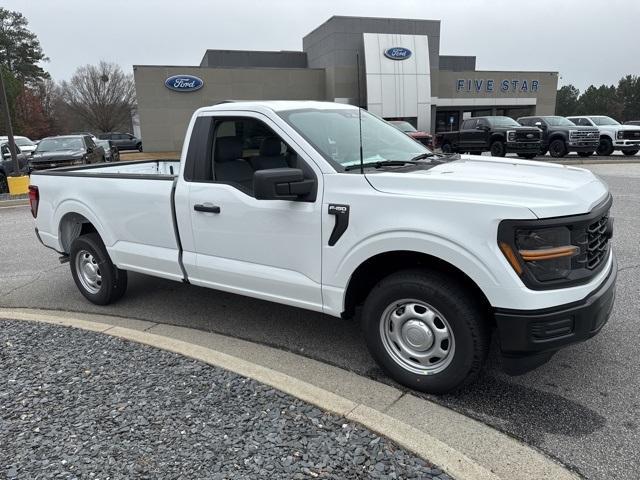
14,202
464,448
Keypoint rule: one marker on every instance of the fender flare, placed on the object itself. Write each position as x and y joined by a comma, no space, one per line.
73,206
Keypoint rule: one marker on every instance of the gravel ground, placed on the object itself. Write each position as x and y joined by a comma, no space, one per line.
76,404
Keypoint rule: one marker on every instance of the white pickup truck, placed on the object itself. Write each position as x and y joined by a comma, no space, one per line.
329,208
613,135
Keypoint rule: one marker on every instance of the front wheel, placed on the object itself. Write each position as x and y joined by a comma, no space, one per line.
95,275
630,153
498,149
426,330
605,148
557,148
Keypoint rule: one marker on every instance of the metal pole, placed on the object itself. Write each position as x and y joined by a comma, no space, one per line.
7,119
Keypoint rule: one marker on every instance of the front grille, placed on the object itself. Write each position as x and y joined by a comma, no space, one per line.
594,244
530,136
631,134
585,134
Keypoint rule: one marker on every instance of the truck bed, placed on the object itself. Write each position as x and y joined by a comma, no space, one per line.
136,198
133,169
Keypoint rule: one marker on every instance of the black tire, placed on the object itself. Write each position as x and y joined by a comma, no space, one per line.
446,148
528,156
139,147
585,154
113,281
456,305
605,148
558,148
630,153
498,148
4,183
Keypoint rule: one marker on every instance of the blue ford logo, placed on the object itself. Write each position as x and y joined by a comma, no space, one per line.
183,83
397,53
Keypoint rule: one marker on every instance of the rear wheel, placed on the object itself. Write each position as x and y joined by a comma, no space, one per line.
426,330
605,148
446,148
498,149
585,154
139,147
4,184
630,153
95,275
557,148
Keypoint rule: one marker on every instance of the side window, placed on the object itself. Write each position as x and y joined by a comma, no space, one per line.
469,124
5,150
236,148
89,142
483,122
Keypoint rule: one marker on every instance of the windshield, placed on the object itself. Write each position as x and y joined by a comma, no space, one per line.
59,144
559,122
335,134
23,142
404,126
503,122
604,121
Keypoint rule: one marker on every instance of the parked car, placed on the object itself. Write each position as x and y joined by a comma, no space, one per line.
632,122
26,145
66,150
561,136
421,136
111,153
8,166
498,135
435,250
124,141
613,135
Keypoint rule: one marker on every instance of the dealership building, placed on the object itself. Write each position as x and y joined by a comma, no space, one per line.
392,67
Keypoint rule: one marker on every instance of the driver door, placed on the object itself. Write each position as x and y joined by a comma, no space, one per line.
269,249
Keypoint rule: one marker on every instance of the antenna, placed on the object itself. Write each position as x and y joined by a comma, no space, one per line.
359,112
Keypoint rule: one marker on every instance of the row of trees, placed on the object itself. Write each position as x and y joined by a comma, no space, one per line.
621,102
98,97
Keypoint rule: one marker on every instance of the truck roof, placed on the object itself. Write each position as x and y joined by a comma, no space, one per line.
277,105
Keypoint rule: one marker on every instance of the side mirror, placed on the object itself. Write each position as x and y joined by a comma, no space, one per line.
541,125
281,184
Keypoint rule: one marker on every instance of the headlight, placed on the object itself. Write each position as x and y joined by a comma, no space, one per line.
511,136
546,253
620,134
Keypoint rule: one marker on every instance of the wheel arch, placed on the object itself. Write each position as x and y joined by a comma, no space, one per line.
557,136
375,268
497,136
75,219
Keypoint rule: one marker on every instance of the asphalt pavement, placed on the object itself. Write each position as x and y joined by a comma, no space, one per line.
582,407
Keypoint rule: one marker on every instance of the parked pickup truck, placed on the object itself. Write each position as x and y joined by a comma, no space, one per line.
339,212
613,136
498,135
561,136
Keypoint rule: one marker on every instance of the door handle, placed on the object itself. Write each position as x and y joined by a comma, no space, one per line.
206,208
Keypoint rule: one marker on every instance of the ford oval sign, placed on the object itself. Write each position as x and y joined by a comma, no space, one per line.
397,53
183,83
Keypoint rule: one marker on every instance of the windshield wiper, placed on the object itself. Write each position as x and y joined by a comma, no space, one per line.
422,156
380,164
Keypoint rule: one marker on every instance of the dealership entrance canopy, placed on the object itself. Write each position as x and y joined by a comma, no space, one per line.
402,76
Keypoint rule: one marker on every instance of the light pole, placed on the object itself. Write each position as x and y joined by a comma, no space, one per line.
7,118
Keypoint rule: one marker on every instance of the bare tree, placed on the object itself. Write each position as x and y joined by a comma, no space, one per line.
102,95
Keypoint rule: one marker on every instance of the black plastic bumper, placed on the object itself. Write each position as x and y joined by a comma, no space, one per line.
529,338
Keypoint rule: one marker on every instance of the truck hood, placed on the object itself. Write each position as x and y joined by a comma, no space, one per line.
58,155
547,189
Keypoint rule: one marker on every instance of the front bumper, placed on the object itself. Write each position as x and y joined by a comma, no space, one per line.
529,338
630,144
523,147
45,165
582,146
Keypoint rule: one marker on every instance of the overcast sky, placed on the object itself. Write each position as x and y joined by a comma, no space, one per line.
587,41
